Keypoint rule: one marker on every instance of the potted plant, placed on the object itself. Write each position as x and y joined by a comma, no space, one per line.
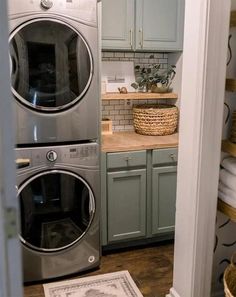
153,78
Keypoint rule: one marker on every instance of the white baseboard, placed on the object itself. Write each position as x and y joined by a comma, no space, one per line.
173,293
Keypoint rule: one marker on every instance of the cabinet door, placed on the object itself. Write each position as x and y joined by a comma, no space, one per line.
163,199
159,24
117,24
126,200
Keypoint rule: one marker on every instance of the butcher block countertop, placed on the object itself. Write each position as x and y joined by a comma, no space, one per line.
130,141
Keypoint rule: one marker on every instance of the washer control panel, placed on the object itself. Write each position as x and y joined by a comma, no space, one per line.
51,156
76,155
46,4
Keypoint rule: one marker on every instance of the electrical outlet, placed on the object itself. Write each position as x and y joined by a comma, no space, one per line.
128,103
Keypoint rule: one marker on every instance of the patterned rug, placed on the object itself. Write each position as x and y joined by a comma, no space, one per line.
116,284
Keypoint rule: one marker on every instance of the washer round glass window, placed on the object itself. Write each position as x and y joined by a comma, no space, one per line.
57,208
51,65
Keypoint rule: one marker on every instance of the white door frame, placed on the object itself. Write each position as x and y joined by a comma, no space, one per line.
203,83
10,255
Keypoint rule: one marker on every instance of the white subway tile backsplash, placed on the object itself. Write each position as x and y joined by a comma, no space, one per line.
108,55
139,55
118,107
105,102
142,101
105,113
159,55
163,61
115,123
144,61
129,116
119,117
119,128
124,122
123,111
109,107
119,111
129,127
114,102
119,55
129,55
114,112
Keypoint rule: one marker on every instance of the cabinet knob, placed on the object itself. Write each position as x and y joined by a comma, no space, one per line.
173,157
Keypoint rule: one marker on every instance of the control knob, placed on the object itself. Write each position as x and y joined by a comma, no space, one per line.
46,4
51,156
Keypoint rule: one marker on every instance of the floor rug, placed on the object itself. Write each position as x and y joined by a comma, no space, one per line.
115,284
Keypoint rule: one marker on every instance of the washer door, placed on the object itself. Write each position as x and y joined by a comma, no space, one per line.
51,65
57,208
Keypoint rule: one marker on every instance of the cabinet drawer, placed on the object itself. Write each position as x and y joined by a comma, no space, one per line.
164,156
126,159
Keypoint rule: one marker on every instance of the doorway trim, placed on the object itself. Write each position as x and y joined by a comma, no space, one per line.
203,83
10,254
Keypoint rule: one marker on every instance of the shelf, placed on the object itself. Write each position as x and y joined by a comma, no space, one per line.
229,147
139,96
230,84
227,209
233,19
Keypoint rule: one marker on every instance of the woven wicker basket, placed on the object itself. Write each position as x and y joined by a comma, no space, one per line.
155,119
230,278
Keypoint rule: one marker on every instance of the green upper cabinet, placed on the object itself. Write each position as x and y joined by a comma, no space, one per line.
159,24
143,25
118,24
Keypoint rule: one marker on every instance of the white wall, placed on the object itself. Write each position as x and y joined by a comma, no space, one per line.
225,240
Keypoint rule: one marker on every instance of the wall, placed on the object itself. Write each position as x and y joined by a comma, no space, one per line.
225,240
120,111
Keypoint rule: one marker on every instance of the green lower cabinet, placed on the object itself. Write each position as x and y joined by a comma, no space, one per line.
126,205
163,199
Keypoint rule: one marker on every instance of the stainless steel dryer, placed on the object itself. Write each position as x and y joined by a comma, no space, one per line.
58,192
54,70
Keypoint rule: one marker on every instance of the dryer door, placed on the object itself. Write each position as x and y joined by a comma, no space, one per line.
51,65
57,208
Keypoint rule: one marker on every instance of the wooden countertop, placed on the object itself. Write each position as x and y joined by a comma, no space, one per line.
130,141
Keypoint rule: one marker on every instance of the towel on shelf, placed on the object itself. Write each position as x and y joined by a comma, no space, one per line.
227,191
229,164
228,179
227,199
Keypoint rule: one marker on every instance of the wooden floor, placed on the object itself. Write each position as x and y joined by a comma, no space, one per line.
150,267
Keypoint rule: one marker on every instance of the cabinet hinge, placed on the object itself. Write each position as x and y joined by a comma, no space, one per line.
10,222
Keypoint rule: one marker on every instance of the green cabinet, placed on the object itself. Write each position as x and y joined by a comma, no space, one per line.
143,25
159,25
138,195
117,24
126,204
163,199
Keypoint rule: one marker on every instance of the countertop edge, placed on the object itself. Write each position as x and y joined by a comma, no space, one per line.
138,148
121,145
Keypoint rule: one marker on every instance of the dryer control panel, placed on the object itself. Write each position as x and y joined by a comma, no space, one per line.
84,11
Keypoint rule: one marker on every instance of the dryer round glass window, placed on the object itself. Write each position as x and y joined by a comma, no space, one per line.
57,208
51,65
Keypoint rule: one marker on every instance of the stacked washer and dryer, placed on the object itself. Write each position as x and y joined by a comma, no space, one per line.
55,86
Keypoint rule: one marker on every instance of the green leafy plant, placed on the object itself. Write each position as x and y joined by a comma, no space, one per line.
153,75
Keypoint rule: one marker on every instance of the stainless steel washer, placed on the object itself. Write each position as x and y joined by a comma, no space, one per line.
54,70
59,196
